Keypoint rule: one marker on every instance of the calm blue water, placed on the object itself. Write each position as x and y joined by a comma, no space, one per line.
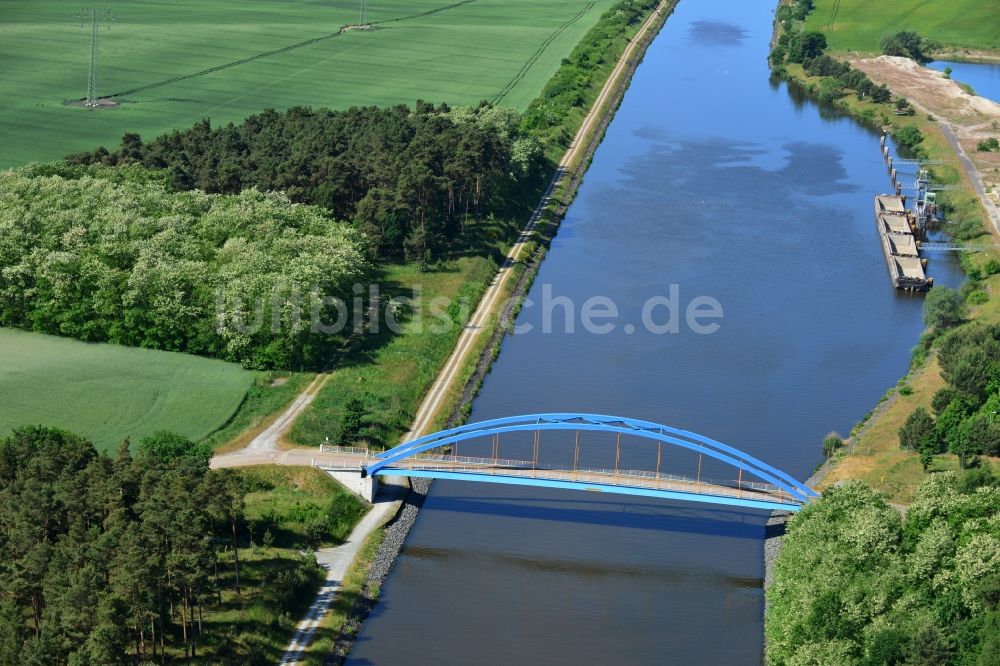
713,179
984,78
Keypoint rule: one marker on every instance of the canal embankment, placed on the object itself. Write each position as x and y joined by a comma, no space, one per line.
545,221
944,123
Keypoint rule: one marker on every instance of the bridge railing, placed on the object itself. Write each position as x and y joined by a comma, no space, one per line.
632,477
345,450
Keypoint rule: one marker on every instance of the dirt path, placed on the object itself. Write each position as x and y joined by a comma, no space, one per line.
975,176
963,118
448,376
264,448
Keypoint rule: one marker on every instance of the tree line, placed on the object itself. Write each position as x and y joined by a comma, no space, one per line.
908,44
579,77
857,584
109,560
112,255
807,48
965,414
409,179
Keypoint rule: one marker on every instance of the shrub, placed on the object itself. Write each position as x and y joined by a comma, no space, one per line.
978,477
987,145
966,228
942,398
881,94
805,45
907,44
294,587
919,424
908,136
943,308
831,444
977,435
977,297
829,90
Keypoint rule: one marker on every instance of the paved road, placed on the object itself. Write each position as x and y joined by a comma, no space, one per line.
300,456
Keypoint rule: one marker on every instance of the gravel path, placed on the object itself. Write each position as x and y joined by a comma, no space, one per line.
392,543
337,561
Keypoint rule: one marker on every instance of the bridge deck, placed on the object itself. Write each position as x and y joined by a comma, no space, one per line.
455,466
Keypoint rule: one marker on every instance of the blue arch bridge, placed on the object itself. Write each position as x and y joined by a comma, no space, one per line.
748,482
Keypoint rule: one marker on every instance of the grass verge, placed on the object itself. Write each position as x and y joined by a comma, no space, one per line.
350,591
298,507
267,398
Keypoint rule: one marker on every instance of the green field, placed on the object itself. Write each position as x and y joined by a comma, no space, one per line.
468,51
107,393
859,25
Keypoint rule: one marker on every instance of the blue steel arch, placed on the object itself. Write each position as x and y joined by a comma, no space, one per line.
602,423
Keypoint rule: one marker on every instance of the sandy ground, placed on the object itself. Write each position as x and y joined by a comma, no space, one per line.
934,91
966,118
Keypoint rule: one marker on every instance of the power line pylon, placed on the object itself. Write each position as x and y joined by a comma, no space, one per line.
94,18
363,22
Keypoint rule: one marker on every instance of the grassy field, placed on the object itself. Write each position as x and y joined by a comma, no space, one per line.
470,50
859,25
107,392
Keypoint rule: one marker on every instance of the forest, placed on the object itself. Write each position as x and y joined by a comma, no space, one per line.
408,179
112,255
114,559
859,584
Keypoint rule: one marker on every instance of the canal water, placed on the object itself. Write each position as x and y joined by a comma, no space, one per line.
729,186
983,77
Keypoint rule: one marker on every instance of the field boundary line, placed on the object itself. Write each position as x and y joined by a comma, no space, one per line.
519,76
284,49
